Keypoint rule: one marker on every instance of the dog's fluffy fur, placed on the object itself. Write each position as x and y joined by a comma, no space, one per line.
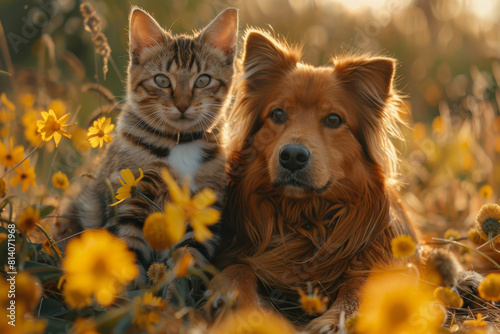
331,222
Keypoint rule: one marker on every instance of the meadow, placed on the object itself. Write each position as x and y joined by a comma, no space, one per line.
62,82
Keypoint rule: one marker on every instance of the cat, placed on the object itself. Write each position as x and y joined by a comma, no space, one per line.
177,90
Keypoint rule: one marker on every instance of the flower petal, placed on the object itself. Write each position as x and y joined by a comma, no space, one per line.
204,198
128,177
57,138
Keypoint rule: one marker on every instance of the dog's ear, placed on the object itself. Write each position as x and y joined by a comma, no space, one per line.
144,32
222,32
368,78
265,60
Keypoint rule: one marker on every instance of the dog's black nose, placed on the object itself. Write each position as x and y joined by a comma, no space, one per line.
294,157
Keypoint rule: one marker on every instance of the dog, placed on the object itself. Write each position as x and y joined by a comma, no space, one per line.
311,198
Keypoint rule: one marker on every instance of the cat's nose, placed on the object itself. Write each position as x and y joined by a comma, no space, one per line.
182,107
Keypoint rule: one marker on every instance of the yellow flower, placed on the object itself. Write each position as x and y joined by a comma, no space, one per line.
27,219
161,231
11,157
28,291
25,323
129,185
448,297
419,131
467,161
403,246
7,114
27,100
74,296
51,126
49,246
488,221
157,272
99,133
3,188
84,326
29,118
452,234
252,321
31,129
183,264
60,180
489,288
195,210
80,140
438,125
474,237
392,303
486,191
59,107
25,175
32,135
147,312
476,322
6,103
97,264
313,303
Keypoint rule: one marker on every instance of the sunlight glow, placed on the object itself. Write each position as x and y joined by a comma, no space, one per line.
355,4
484,9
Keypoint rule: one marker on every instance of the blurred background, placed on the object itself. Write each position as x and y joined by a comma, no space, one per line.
449,69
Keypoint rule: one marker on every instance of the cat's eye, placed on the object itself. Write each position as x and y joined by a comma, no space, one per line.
333,121
202,81
278,116
162,80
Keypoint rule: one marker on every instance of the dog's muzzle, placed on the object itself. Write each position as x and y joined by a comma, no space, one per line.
294,157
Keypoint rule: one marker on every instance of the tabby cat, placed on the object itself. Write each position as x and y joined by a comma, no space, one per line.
177,90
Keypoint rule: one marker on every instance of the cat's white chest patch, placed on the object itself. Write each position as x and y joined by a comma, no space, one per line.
187,158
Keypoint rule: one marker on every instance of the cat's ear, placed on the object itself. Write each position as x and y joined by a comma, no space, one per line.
144,31
222,32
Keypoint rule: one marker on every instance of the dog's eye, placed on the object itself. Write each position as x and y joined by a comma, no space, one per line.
162,80
278,116
202,81
333,121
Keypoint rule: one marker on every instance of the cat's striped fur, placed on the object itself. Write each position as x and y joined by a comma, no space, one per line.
171,123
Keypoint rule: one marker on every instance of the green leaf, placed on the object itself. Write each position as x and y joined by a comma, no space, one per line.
56,326
108,320
122,325
135,293
44,272
45,210
52,308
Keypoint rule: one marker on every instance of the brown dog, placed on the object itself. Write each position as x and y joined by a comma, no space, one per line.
310,161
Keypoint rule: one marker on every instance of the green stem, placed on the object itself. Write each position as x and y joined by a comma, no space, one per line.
19,164
112,192
52,244
150,201
492,245
470,248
